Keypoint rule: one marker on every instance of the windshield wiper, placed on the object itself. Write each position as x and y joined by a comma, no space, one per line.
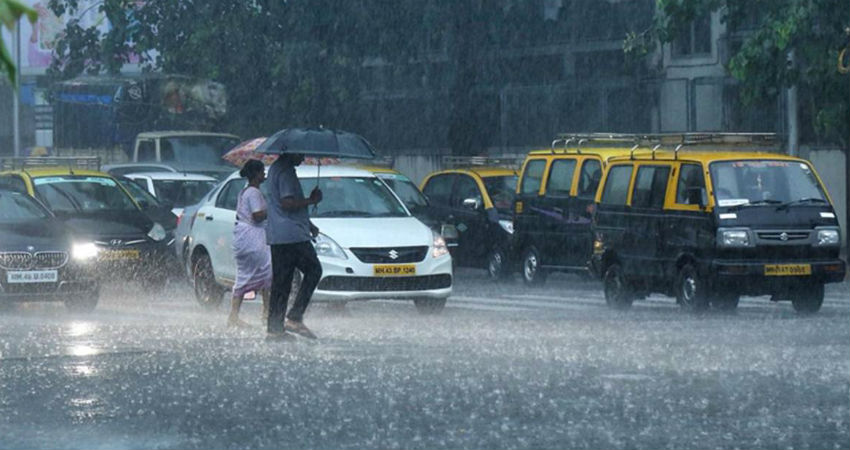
766,201
786,205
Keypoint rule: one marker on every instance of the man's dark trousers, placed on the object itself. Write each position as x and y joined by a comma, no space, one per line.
285,259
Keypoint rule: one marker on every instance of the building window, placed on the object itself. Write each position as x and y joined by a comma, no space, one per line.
695,39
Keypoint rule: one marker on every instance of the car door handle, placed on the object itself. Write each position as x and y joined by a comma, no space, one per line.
208,218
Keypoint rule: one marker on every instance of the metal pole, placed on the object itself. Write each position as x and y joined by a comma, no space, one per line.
793,118
16,98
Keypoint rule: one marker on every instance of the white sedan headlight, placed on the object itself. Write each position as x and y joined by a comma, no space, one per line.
734,238
440,248
157,232
84,251
828,237
326,246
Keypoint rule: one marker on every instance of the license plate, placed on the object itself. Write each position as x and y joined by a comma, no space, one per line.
117,255
33,276
785,270
394,270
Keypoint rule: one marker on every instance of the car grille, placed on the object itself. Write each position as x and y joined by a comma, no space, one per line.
25,260
390,255
375,284
783,235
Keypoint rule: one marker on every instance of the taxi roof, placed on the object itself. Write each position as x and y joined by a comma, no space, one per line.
48,171
481,171
602,152
704,156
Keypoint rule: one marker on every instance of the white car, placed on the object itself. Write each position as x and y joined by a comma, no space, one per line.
370,246
177,189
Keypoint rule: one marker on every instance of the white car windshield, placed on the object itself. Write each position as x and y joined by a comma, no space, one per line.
71,193
353,197
754,182
182,192
406,190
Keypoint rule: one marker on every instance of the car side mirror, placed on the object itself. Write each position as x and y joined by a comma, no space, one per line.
472,203
448,232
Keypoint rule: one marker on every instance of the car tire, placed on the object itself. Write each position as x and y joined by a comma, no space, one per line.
725,301
86,303
618,292
497,265
808,299
691,290
532,273
429,306
208,293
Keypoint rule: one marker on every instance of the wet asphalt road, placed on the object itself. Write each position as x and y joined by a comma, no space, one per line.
502,367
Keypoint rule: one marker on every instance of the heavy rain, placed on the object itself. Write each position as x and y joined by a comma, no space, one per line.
424,224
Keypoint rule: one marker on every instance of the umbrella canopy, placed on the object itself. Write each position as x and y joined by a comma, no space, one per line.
319,142
246,150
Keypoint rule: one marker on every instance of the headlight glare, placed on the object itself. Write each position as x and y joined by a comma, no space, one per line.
84,251
735,238
157,232
439,249
326,246
828,237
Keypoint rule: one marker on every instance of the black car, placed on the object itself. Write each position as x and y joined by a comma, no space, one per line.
39,259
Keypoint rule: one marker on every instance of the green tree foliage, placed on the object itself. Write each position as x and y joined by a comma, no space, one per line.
10,12
771,30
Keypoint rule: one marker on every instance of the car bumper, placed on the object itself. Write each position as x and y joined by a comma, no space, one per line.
752,276
57,291
348,280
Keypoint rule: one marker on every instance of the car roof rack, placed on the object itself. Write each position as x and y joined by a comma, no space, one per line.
458,162
699,140
71,162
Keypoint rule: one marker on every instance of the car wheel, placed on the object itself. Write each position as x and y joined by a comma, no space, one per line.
691,291
618,292
85,303
808,298
208,293
532,273
725,301
429,305
497,265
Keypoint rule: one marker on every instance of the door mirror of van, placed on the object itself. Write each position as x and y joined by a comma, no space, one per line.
448,232
472,203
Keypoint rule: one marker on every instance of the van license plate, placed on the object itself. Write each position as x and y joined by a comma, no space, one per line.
33,276
394,270
784,270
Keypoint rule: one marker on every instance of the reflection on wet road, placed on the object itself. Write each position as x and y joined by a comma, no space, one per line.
502,367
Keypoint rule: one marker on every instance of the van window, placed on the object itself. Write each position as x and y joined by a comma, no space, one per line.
533,176
617,186
166,151
465,188
591,173
561,177
438,189
147,151
691,180
650,187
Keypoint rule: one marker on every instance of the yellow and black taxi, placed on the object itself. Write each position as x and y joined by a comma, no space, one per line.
476,201
554,203
39,259
96,209
709,226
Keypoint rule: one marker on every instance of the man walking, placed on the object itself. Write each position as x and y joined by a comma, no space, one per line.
288,232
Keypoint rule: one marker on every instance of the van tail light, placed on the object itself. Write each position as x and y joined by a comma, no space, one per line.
179,218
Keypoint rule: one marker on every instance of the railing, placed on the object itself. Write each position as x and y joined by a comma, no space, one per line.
71,162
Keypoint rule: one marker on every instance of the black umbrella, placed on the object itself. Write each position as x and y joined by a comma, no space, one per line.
318,142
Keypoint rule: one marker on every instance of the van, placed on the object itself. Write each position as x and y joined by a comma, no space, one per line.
710,225
554,201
